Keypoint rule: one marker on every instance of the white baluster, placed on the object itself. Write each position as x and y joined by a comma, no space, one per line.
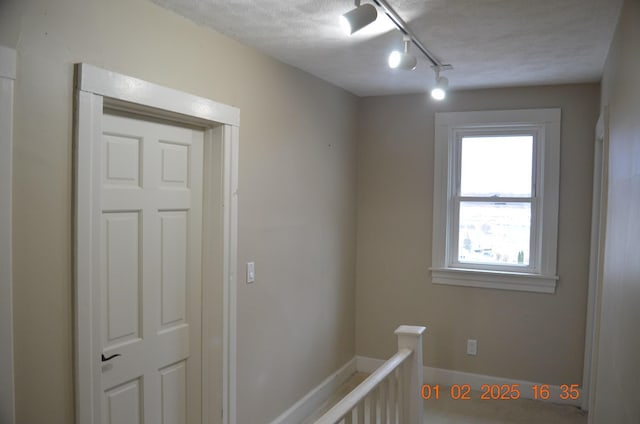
399,394
383,401
393,399
360,412
372,408
348,419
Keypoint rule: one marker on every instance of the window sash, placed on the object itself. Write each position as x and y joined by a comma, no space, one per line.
454,214
496,133
454,236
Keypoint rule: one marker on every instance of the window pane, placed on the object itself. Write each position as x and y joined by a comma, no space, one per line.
494,233
496,166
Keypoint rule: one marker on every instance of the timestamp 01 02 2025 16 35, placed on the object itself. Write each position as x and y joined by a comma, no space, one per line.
497,392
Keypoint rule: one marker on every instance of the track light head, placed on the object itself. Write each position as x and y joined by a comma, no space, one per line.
439,92
403,60
358,18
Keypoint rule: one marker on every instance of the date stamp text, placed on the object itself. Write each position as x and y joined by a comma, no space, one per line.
498,392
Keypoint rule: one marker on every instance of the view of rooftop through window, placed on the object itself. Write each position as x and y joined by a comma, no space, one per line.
495,200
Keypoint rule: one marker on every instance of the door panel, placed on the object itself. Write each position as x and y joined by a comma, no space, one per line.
175,164
121,278
122,160
174,267
174,391
151,202
124,403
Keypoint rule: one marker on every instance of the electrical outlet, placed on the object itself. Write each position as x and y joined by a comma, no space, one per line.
472,347
251,272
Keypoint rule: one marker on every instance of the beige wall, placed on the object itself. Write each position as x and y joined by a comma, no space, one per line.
616,394
535,337
296,210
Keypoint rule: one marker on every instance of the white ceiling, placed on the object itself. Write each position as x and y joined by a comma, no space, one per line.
490,43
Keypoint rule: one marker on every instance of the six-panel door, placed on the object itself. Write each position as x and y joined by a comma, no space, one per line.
150,271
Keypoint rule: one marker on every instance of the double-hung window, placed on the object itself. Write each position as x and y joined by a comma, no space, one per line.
496,199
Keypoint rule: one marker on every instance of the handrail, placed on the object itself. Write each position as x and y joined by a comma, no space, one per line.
350,401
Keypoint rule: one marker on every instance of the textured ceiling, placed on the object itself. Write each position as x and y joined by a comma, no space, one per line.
490,43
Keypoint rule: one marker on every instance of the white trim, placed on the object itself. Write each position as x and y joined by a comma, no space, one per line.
87,347
596,258
7,76
132,90
490,118
446,377
230,159
541,276
8,60
313,400
495,280
219,146
96,88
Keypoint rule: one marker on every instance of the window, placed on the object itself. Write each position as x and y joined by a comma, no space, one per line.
496,199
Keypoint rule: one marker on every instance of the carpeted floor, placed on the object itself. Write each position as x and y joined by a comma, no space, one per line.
476,411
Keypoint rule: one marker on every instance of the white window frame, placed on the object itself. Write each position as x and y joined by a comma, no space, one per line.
540,275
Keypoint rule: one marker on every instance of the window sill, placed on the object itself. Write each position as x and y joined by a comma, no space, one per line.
495,280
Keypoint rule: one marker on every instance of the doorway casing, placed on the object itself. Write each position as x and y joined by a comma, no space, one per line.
95,89
7,78
596,260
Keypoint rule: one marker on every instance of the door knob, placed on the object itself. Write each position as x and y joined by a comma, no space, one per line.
108,358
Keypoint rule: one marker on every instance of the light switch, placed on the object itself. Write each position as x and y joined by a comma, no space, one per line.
251,272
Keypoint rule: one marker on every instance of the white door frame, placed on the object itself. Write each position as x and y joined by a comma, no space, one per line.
596,260
95,89
7,76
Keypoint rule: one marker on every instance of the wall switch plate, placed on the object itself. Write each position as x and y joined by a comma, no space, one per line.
251,272
472,347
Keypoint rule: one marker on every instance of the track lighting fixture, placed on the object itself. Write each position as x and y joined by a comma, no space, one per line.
403,60
358,18
439,91
362,16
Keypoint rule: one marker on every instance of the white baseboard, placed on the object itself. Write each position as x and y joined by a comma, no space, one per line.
317,396
475,381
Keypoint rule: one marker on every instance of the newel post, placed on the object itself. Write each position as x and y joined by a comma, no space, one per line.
410,337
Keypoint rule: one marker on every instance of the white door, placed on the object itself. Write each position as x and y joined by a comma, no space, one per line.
150,272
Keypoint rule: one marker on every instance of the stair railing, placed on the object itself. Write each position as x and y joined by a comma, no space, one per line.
392,394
